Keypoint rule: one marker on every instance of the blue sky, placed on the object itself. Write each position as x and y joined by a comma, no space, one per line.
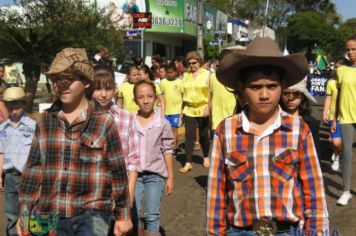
347,8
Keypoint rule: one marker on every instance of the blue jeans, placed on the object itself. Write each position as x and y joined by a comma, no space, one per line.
232,231
89,223
11,202
150,187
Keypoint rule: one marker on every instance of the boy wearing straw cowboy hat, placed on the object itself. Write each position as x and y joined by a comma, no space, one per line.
264,177
75,170
16,135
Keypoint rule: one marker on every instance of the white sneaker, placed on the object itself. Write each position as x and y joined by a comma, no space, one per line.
336,164
333,157
344,199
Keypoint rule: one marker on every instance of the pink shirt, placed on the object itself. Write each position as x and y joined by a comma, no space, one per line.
128,134
156,141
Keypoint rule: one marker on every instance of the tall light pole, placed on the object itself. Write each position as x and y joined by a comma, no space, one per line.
200,46
265,20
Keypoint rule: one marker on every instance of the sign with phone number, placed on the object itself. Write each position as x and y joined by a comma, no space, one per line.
167,21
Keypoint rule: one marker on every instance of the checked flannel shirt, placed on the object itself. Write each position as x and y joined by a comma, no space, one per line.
274,175
75,167
126,126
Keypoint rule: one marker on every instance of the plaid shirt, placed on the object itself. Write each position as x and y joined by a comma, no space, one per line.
75,167
273,175
126,126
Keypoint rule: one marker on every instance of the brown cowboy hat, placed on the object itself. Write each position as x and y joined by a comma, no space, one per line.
261,51
73,60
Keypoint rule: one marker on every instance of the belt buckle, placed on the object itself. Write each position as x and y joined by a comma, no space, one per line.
265,227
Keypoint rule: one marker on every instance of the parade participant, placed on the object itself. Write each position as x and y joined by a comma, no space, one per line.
223,101
146,74
15,141
162,73
125,91
265,177
75,170
296,100
156,175
196,108
172,88
345,112
104,90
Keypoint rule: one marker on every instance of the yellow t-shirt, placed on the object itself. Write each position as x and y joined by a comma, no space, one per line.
127,95
173,95
125,92
223,101
346,81
196,93
331,90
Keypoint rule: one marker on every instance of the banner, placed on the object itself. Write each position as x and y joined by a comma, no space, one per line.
316,84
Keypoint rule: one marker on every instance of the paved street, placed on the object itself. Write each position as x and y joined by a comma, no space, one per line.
183,213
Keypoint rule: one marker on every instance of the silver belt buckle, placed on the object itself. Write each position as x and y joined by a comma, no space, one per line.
265,227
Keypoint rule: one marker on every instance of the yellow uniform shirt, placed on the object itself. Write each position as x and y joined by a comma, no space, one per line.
223,101
127,95
346,81
196,93
331,90
125,92
173,95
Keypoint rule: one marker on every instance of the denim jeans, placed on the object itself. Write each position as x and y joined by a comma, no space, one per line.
150,187
11,202
232,231
89,223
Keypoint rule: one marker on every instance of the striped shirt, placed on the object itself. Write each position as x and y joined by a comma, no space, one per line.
126,126
75,167
274,175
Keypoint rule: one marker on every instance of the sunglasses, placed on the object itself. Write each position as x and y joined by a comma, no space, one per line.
192,63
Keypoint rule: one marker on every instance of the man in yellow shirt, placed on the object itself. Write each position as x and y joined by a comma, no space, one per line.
172,88
223,101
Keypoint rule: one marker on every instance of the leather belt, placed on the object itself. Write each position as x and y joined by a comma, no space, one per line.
12,171
267,227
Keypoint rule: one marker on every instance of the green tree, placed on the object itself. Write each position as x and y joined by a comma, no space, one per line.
37,30
307,29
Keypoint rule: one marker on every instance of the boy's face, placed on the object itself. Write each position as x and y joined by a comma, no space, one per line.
16,109
262,93
171,74
103,96
162,73
351,51
69,88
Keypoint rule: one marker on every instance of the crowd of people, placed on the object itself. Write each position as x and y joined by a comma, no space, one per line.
103,153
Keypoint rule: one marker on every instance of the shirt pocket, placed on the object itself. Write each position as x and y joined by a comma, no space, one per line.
91,150
284,166
237,166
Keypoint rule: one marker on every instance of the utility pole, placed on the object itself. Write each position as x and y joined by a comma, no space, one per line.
200,46
265,20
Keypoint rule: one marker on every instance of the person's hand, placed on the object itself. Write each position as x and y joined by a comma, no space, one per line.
169,188
325,117
122,227
333,127
19,228
206,111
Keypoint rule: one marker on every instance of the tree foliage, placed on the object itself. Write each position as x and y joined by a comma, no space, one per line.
307,29
36,30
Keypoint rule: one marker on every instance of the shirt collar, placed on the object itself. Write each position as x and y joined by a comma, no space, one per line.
283,120
155,122
23,121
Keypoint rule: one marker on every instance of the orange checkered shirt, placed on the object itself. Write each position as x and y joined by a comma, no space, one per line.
274,175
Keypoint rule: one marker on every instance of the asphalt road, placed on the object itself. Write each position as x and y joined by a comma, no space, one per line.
184,213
